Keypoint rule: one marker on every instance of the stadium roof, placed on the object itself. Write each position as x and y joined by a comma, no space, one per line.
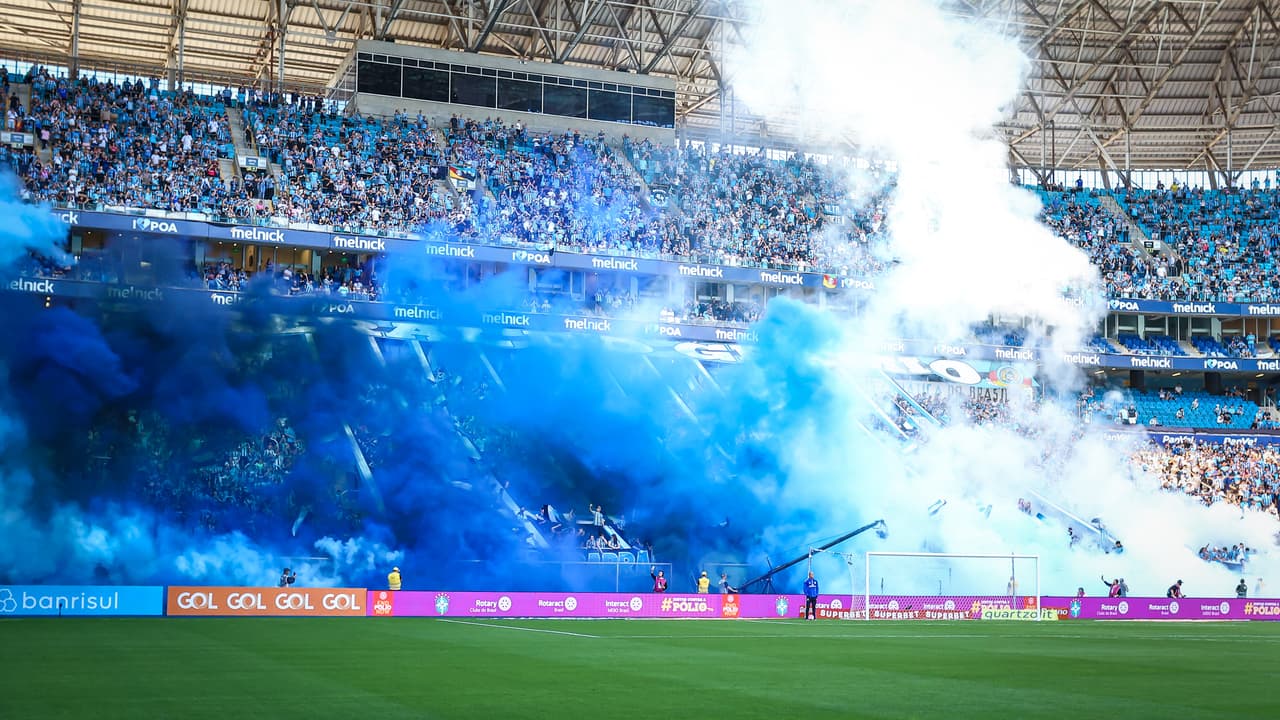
1115,83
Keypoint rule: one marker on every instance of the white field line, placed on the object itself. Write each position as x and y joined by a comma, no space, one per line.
939,636
517,627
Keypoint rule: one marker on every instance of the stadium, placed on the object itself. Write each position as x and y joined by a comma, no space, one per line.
479,358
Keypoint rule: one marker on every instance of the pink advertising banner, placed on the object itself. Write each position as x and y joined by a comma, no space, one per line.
444,603
1137,608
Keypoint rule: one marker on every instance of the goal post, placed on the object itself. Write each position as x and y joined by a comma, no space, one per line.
925,585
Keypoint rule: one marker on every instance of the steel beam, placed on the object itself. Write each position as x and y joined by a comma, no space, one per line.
672,37
495,11
588,18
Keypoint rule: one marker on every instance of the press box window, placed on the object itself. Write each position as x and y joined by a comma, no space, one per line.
378,79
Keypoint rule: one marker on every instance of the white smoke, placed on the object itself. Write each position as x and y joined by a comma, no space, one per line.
920,86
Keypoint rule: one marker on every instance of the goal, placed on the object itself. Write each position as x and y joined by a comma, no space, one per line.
950,586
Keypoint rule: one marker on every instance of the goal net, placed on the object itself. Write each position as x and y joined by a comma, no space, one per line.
947,586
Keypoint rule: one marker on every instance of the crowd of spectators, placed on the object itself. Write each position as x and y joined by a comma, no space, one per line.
1227,239
1236,554
350,172
1242,475
133,145
1079,218
354,281
126,145
234,478
130,144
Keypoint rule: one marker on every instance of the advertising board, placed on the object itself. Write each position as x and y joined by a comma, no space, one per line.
257,601
81,600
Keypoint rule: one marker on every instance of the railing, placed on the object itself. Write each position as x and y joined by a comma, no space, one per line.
18,60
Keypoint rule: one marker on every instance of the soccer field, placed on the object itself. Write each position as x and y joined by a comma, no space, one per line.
437,668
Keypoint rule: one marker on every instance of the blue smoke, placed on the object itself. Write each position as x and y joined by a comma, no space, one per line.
131,440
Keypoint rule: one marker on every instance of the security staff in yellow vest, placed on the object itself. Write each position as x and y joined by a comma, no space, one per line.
393,579
704,583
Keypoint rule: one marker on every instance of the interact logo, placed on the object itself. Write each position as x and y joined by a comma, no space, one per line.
8,603
442,604
636,604
1225,607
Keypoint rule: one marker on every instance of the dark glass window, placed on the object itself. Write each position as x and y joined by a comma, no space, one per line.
654,111
424,84
378,79
610,107
566,101
519,95
474,90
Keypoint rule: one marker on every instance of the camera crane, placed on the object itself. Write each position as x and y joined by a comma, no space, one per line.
766,580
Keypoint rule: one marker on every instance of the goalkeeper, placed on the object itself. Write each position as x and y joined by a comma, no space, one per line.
811,598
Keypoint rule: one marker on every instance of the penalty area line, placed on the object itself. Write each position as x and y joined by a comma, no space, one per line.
517,627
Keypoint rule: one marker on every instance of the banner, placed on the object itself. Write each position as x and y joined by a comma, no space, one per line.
81,600
247,601
385,603
659,195
318,238
463,178
1136,608
442,603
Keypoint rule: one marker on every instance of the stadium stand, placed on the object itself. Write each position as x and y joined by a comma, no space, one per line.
1082,220
1226,238
105,145
1165,408
1235,474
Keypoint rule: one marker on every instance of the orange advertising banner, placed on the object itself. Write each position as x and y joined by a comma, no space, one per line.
246,601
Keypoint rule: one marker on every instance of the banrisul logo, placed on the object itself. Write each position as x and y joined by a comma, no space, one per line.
781,606
8,603
442,604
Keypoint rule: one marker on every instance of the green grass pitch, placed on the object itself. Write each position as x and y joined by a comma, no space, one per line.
379,669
